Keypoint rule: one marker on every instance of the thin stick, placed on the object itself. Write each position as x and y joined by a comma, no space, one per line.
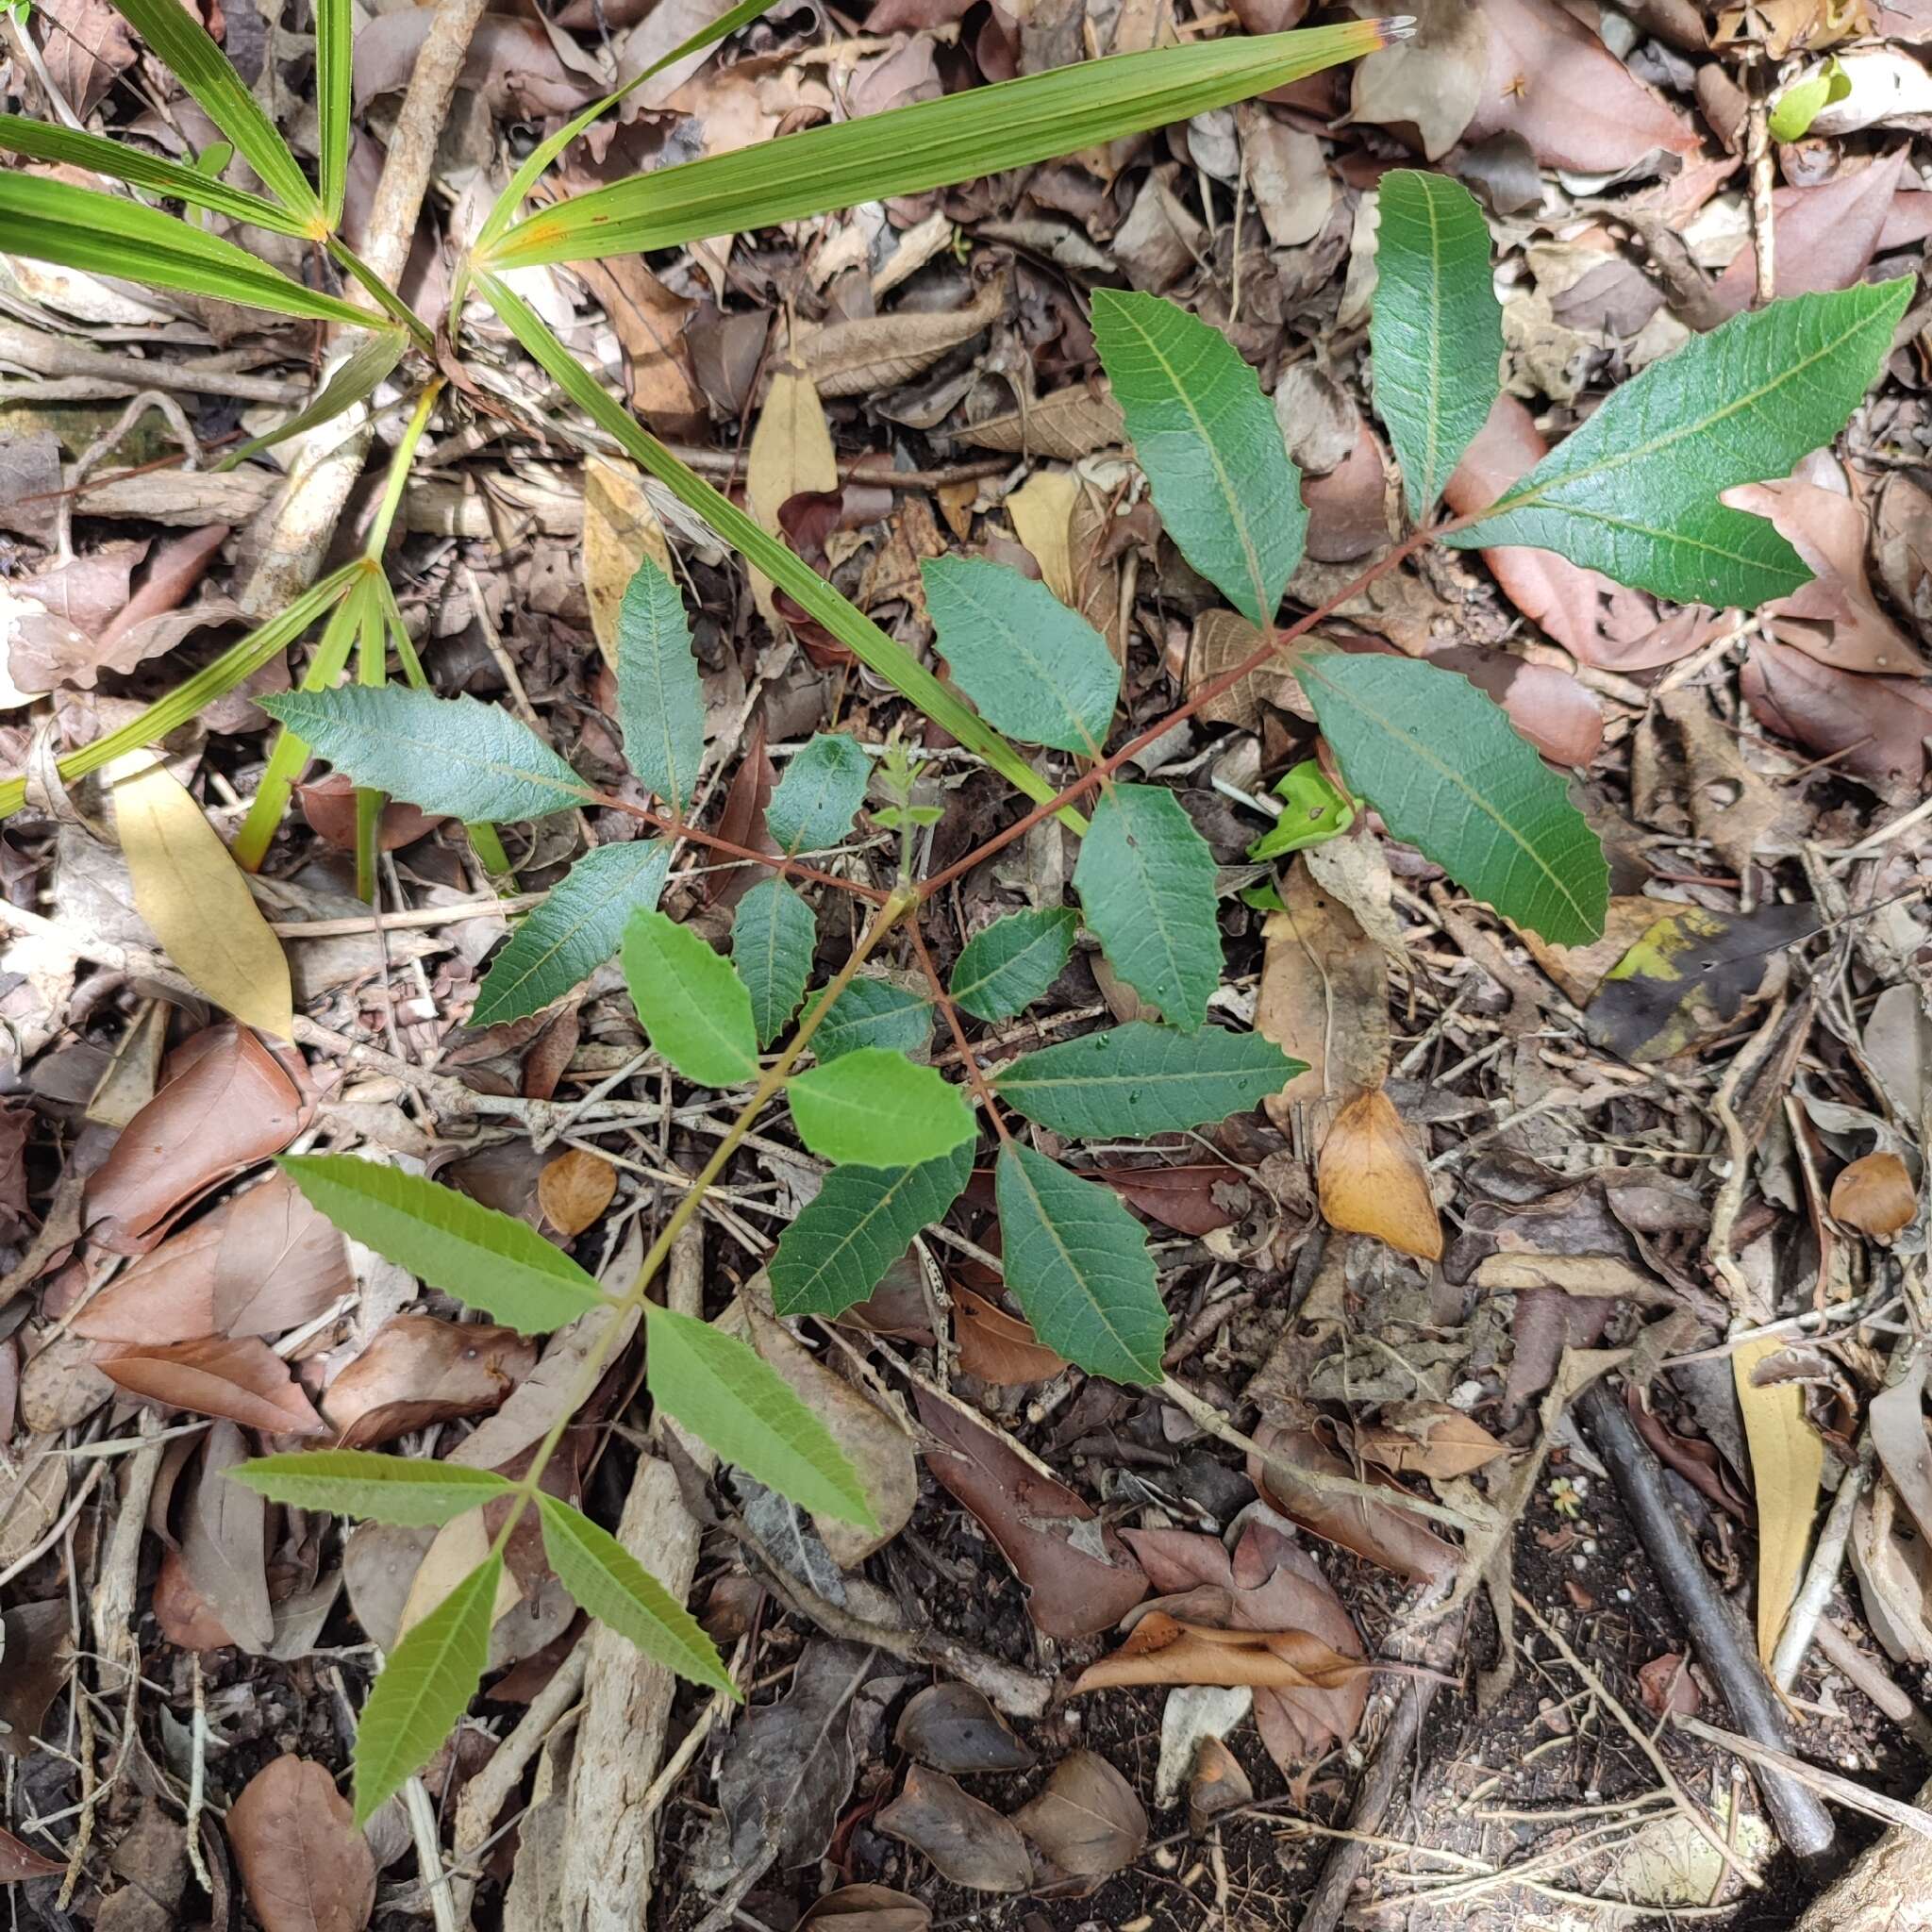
1844,1789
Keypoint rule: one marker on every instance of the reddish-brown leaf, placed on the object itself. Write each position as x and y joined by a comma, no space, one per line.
998,1347
241,1381
19,1861
303,1862
1384,1533
574,1188
1875,1195
419,1370
1182,1198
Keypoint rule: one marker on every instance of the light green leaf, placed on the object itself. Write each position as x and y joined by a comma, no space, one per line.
335,67
386,1489
1034,668
608,1582
874,1108
859,1223
1146,879
1446,770
1010,963
1634,491
1137,1081
720,1390
1206,438
695,1008
874,1013
660,704
1436,328
1317,809
1801,103
425,1688
1076,1262
774,935
959,137
574,931
490,1260
813,803
355,378
458,756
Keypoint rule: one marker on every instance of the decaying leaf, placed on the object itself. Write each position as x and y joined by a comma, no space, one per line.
574,1188
620,531
1064,427
1372,1180
419,1370
1217,1786
952,1727
305,1867
866,1908
242,1380
1088,1821
1426,1439
965,1840
1787,1467
1874,1194
791,453
998,1347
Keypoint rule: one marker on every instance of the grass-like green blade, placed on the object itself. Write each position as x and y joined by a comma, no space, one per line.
617,1590
425,1685
1010,963
774,935
803,585
874,1013
1445,768
660,704
691,1001
108,235
720,1390
908,150
876,1108
813,805
358,1482
1634,492
491,1261
335,68
1436,326
356,379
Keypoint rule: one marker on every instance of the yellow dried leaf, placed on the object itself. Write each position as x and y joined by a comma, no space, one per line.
191,893
1875,1195
1787,1466
790,452
574,1188
1042,514
621,530
462,1544
1372,1180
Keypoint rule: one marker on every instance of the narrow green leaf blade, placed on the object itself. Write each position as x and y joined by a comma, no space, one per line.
1206,438
859,1223
694,1006
490,1260
574,931
355,378
813,803
425,1688
1436,326
1146,879
335,68
874,1108
1634,492
1077,1263
608,1582
1137,1080
774,935
1034,668
1010,963
1442,764
386,1488
660,704
458,756
721,1390
874,1013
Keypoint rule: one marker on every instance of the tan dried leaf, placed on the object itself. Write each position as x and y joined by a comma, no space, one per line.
1372,1180
574,1188
304,1866
1875,1195
1042,513
1787,1467
621,530
875,352
1067,425
790,452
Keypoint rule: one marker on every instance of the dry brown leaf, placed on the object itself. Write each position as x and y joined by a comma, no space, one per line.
1787,1467
1372,1180
1088,1821
877,352
1871,728
1217,1786
1426,1439
225,1544
1875,1195
304,1866
1065,425
328,803
620,531
866,1908
1042,513
460,1546
966,1841
790,452
1222,639
952,1727
419,1370
1667,1686
1429,85
244,1381
574,1188
35,1641
18,1862
1161,1649
998,1347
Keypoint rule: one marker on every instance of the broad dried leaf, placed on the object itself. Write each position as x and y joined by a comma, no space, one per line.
574,1188
1874,1194
866,1908
223,1544
1089,1820
1383,1532
244,1381
620,531
1066,425
303,1864
963,1838
952,1727
18,1862
1428,1438
1161,1649
418,1370
1787,1470
1372,1180
791,453
998,1347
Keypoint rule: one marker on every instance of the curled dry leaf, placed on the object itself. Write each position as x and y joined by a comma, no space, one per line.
866,1908
1065,425
1426,1439
952,1727
1218,1785
225,1544
1165,1650
419,1370
241,1381
328,803
304,1866
1875,1195
1088,1821
998,1347
1667,1686
1373,1181
19,1861
36,1643
574,1188
965,1840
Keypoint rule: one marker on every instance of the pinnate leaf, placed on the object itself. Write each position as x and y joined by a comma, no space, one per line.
608,1582
1076,1262
813,803
1634,491
1034,669
1206,438
425,1685
720,1390
862,1220
1446,770
774,934
873,1106
386,1488
456,756
1010,963
1137,1081
874,1013
1437,328
491,1261
696,1009
660,704
574,931
1146,879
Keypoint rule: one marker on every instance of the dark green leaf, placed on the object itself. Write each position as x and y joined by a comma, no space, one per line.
386,1489
660,702
874,1108
874,1013
695,1008
355,378
1010,963
335,64
813,803
774,935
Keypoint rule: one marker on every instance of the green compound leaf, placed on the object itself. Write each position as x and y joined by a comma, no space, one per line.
1010,963
425,1688
386,1489
774,935
1035,669
661,705
458,756
1634,492
574,931
1146,879
1137,1081
1206,438
1077,1261
874,1108
861,1221
1446,770
694,1005
720,1390
490,1260
1436,329
813,803
608,1582
874,1013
